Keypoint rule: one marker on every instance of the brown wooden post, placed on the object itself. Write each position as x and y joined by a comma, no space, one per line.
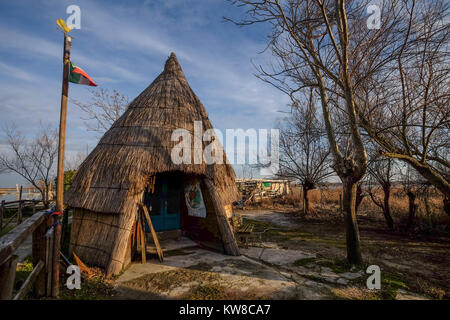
19,214
49,245
152,230
143,241
7,276
60,173
228,238
39,254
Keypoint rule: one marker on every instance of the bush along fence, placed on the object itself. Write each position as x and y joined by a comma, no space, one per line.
44,278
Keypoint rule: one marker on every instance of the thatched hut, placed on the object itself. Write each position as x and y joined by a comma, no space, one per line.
116,176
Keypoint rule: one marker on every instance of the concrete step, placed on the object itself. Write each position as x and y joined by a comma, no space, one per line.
169,234
168,245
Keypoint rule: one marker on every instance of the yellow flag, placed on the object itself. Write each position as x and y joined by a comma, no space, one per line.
62,24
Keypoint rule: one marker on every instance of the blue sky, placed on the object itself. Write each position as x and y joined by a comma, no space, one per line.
123,45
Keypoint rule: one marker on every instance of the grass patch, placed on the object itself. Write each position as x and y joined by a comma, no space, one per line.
337,266
206,292
303,262
23,270
95,288
278,233
259,225
390,284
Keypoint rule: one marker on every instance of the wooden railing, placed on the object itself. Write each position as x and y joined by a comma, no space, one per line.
44,258
18,216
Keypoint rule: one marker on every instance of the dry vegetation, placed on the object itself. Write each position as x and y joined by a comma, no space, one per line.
417,259
324,205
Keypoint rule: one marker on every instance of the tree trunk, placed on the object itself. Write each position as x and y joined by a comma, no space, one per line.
43,197
47,198
428,210
305,201
412,209
359,197
386,208
352,233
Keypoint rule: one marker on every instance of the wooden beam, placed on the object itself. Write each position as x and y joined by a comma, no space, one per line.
228,238
26,286
7,276
49,262
13,239
142,242
19,215
152,230
39,254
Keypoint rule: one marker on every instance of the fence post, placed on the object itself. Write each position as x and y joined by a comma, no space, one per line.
56,255
49,262
40,254
19,215
2,213
7,276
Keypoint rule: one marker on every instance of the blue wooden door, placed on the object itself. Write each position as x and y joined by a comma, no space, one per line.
164,203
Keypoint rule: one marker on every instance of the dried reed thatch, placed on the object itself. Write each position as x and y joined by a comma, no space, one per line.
113,177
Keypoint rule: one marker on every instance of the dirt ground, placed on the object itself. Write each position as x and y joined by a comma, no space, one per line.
290,257
420,262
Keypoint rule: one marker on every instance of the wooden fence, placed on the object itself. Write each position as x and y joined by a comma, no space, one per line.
18,216
45,259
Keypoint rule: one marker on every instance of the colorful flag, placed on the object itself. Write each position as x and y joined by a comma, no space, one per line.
77,75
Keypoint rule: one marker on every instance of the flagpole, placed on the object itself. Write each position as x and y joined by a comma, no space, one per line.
60,173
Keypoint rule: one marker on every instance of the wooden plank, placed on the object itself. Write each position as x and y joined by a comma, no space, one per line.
142,239
49,263
39,254
19,215
56,256
229,241
7,276
152,230
13,239
26,286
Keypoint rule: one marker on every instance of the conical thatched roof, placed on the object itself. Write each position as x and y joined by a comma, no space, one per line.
114,175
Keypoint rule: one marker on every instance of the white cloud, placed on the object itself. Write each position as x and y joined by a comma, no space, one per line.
14,72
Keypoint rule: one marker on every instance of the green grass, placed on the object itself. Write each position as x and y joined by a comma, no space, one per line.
337,266
95,288
303,262
390,284
294,234
259,225
23,270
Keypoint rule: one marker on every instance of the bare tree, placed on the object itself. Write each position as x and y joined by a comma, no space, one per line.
304,151
103,109
247,171
381,171
311,42
412,183
404,107
72,163
402,62
34,160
